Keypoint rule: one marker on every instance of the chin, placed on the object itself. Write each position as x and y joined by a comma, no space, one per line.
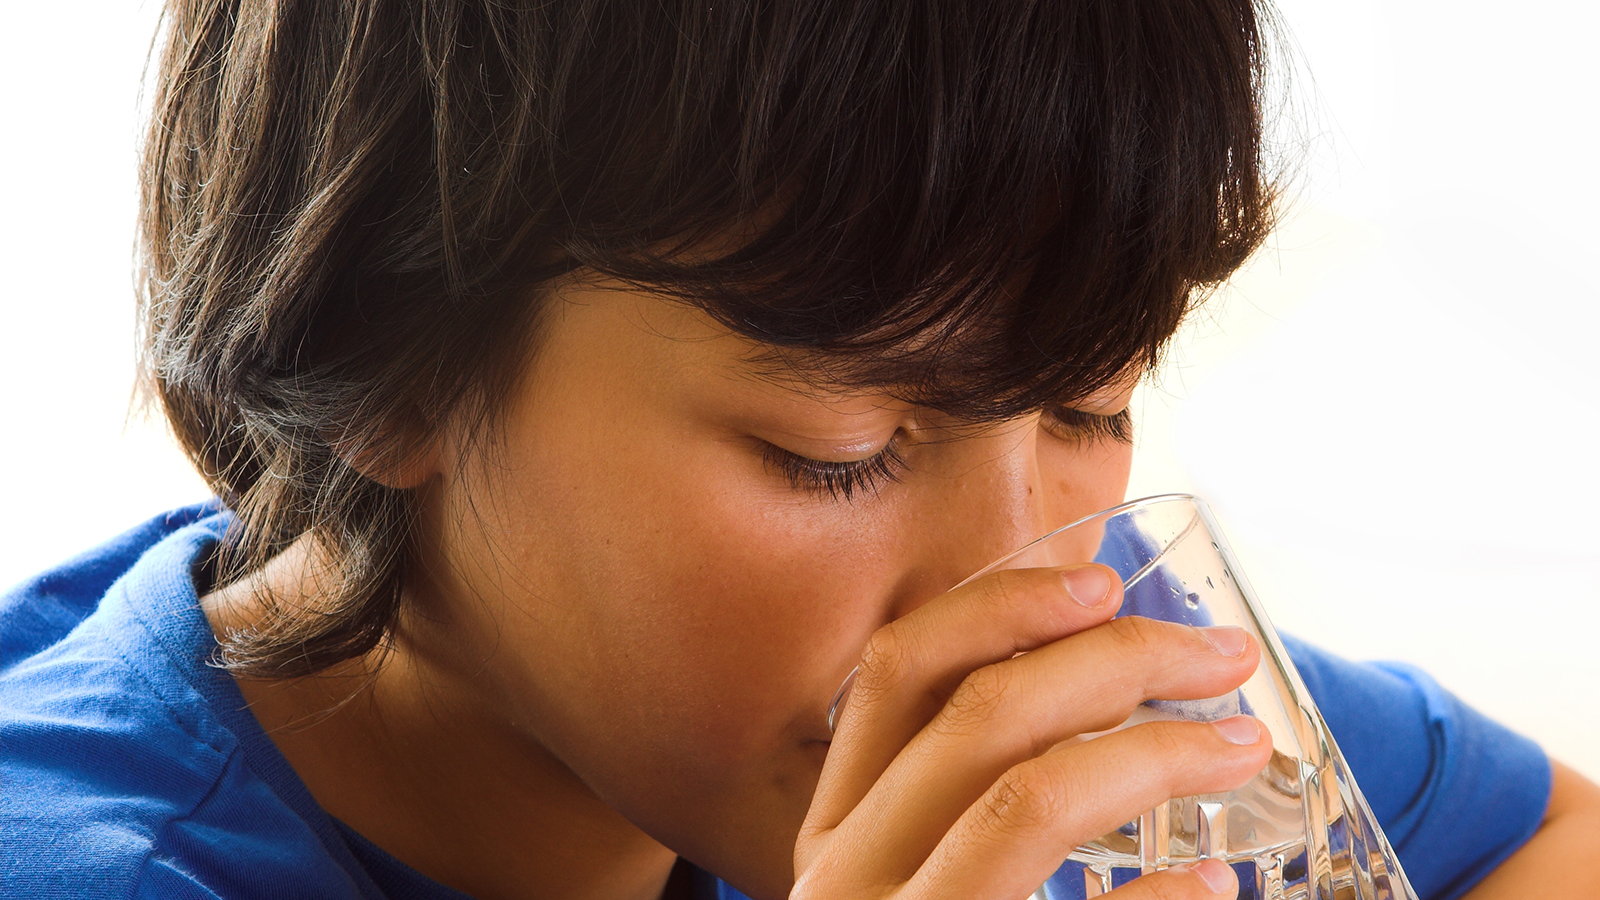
750,841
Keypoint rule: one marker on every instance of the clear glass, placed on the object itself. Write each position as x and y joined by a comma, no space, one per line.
1301,829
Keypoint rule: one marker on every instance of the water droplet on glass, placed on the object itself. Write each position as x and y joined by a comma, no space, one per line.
1192,601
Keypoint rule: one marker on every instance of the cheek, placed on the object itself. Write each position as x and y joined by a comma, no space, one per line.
695,612
765,599
1081,480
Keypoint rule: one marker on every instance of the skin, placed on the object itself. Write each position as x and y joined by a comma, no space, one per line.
624,627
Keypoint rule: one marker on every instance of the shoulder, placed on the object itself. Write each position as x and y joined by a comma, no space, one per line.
121,777
97,766
45,608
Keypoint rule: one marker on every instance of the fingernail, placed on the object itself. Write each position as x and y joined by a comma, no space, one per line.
1238,729
1215,873
1229,640
1088,585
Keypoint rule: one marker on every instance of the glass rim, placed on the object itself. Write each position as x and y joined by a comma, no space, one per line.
1109,512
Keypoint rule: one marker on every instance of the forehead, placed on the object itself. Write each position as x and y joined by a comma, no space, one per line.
612,330
650,345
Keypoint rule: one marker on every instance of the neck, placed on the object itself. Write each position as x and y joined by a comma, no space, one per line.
410,757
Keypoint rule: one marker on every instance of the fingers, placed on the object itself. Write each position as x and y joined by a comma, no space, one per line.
1202,880
1016,835
1088,682
1010,712
912,665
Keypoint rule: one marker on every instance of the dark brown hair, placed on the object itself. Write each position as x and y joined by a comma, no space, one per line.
348,208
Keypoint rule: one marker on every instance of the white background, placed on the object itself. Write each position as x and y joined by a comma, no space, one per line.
1392,410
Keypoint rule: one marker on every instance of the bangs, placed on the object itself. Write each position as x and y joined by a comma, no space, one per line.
985,207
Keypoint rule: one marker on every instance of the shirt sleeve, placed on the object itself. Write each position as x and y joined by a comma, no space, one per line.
1455,792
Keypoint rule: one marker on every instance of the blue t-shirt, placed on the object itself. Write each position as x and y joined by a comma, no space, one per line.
131,768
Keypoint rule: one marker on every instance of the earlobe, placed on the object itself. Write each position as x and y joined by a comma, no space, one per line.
412,472
401,465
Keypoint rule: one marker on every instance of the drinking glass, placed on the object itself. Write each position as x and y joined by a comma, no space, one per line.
1300,830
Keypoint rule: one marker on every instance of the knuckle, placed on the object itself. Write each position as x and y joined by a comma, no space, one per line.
978,701
1141,640
998,596
1014,589
1024,799
1140,632
887,661
1000,589
1131,650
1173,753
1167,743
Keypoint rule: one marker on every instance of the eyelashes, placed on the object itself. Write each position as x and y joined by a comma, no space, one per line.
845,480
1070,424
837,480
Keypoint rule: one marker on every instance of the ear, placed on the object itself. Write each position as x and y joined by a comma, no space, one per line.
397,463
410,472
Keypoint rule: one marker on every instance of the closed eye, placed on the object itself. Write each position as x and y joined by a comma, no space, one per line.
836,480
1070,424
844,480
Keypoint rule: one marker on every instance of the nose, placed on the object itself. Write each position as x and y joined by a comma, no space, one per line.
987,499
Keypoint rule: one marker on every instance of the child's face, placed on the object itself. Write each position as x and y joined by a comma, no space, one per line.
642,593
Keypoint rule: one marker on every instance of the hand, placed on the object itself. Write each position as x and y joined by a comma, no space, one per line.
954,772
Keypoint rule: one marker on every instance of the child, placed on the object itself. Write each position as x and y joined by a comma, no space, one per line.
590,387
